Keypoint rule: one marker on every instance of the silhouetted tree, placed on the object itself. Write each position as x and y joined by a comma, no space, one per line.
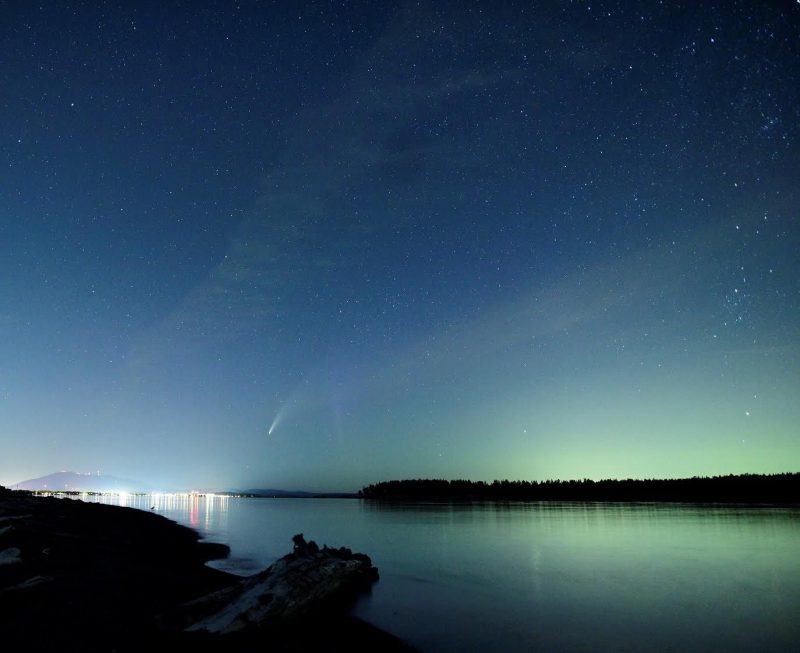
743,488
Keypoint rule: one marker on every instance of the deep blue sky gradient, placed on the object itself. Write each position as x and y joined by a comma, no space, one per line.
461,240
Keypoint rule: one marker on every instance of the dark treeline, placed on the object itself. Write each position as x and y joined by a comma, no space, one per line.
745,488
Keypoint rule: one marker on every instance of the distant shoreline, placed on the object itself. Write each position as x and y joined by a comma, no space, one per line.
233,495
733,489
741,489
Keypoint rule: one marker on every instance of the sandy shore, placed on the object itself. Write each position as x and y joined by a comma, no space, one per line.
77,575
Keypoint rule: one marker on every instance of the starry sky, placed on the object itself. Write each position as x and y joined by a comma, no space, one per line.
318,245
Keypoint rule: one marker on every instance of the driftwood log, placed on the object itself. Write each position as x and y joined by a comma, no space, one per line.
302,583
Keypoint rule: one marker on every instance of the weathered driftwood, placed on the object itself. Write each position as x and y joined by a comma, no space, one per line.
296,585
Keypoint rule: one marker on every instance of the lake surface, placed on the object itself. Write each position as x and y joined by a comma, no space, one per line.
540,577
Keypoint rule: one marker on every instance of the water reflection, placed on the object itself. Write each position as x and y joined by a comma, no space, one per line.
538,576
206,513
590,576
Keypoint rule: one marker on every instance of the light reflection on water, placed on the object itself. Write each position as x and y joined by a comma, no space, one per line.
541,576
206,513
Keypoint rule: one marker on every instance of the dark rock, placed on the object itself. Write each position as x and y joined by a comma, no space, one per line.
10,556
92,577
212,551
78,572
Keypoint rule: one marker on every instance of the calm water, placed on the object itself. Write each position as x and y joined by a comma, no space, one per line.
545,577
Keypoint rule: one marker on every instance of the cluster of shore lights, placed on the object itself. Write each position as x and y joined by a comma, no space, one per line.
148,500
122,493
187,502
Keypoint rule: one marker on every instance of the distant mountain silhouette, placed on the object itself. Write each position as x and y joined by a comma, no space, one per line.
74,482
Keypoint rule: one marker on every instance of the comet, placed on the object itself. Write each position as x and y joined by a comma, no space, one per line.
288,408
278,419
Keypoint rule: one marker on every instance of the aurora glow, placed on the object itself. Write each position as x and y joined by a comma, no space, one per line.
506,241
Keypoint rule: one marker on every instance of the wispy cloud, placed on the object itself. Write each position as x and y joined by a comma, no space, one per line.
623,292
293,243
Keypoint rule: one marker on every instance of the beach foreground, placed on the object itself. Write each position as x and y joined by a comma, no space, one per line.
99,577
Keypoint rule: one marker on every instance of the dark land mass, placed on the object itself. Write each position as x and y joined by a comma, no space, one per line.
738,489
83,576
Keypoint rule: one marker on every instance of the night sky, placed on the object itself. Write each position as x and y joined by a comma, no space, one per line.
258,244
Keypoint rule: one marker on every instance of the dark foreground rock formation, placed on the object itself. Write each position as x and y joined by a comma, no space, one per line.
306,582
75,575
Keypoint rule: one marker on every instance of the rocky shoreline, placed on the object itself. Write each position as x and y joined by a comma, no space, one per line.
96,577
